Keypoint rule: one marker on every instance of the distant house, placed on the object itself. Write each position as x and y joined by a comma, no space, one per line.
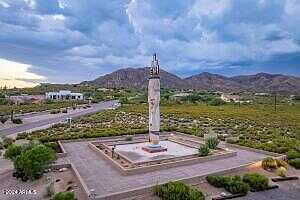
230,98
64,95
179,96
104,89
25,98
262,94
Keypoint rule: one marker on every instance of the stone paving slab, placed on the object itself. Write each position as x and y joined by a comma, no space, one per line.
100,175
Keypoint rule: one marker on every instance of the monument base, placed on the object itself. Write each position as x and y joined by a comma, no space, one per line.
154,148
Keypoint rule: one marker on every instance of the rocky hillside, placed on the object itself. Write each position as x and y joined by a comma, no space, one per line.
262,82
136,78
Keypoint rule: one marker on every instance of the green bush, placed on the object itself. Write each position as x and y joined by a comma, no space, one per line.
236,187
31,163
12,152
295,163
64,196
269,163
256,181
234,184
218,181
54,146
177,191
292,154
203,150
17,121
212,142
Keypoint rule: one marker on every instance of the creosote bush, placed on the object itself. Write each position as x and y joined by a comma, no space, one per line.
256,181
234,184
178,191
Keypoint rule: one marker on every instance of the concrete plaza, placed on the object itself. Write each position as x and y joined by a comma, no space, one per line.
99,175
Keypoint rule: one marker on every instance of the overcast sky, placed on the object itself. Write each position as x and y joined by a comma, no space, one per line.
74,40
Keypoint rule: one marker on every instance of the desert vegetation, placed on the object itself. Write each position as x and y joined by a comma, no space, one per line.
256,126
178,190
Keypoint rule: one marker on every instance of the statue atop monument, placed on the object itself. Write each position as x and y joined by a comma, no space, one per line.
154,69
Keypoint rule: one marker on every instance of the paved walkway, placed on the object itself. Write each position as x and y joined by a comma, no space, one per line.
98,174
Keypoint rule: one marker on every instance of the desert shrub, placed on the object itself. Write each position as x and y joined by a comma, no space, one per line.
54,111
218,181
216,102
128,138
234,184
1,145
54,146
13,151
31,163
7,141
64,196
203,150
292,154
17,121
256,181
178,191
237,187
281,171
212,142
281,163
269,163
295,163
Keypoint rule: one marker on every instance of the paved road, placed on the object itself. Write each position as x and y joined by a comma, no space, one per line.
25,127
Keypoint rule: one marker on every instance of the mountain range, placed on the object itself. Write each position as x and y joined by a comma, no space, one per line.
261,82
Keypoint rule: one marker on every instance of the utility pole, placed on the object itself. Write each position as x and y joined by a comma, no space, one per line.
275,102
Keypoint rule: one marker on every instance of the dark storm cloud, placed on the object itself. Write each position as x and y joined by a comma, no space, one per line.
75,40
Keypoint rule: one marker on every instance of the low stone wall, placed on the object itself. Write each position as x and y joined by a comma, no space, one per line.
63,151
154,167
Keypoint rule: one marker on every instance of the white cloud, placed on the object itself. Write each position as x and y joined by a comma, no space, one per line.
210,8
14,74
4,4
31,3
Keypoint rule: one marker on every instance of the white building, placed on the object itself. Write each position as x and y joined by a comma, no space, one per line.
64,95
230,98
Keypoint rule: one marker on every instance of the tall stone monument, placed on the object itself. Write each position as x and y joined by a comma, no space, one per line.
154,113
